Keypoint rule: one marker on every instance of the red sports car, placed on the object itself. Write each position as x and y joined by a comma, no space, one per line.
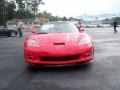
58,43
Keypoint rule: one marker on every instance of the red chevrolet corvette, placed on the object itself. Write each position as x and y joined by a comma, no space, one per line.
58,43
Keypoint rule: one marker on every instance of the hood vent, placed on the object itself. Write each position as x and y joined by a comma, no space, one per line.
59,43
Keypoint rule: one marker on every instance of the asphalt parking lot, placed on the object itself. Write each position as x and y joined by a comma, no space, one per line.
102,74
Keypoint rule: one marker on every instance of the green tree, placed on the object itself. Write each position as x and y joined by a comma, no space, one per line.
21,5
20,9
106,21
64,18
116,19
49,16
7,11
34,5
28,8
10,10
21,13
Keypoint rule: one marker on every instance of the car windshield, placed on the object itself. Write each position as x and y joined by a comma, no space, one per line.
58,27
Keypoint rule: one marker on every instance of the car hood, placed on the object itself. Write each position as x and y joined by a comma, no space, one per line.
57,37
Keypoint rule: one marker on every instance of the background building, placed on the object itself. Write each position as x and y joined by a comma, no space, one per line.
27,23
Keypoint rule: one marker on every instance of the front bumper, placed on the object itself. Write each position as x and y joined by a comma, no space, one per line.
61,57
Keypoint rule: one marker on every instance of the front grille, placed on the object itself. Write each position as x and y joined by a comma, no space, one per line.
62,58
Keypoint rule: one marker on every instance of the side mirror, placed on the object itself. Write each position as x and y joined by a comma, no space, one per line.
81,29
33,31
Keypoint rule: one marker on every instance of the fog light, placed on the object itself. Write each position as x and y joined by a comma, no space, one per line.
89,54
30,57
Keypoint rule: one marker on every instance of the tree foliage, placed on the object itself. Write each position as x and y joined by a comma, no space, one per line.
23,9
49,16
34,5
28,8
7,11
18,9
110,21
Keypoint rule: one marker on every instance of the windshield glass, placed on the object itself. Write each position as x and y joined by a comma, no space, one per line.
58,27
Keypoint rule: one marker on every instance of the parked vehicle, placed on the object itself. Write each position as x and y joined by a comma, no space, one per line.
4,31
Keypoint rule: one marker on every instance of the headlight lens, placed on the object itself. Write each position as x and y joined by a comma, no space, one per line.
33,43
85,41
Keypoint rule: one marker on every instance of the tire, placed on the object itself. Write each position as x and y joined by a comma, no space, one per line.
12,34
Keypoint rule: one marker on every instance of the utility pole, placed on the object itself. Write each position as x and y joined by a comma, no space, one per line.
3,9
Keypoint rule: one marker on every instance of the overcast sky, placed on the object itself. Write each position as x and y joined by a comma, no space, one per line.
80,7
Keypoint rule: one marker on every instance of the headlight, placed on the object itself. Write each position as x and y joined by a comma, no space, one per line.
33,43
85,40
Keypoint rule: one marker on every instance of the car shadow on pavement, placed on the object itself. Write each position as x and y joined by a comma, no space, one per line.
73,68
